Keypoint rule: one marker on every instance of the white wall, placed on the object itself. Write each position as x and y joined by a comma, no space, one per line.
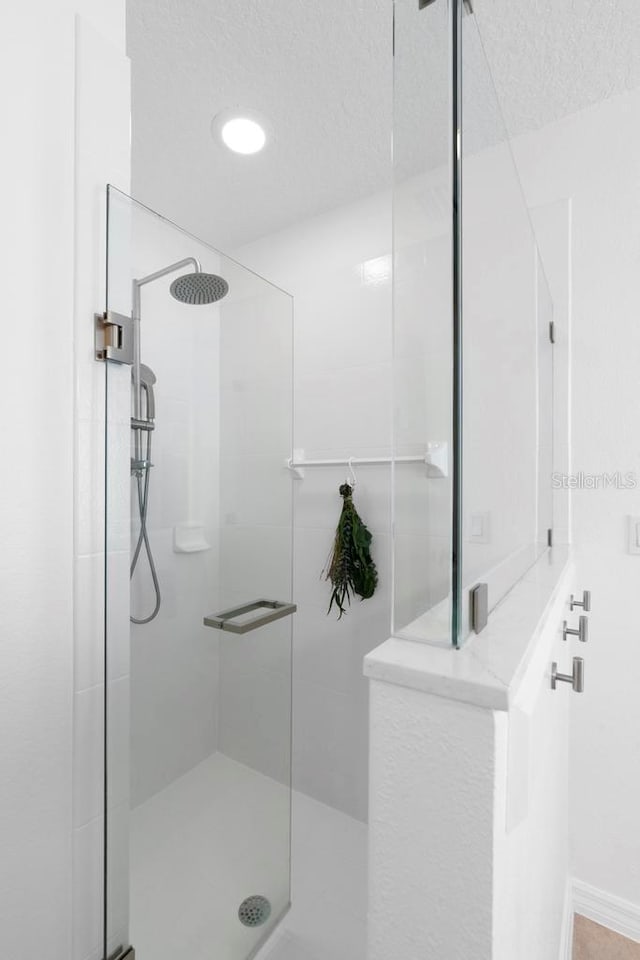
342,408
101,156
592,158
256,347
433,776
37,677
174,658
468,821
338,268
507,375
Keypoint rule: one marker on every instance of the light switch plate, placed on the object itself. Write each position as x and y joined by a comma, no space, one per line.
480,528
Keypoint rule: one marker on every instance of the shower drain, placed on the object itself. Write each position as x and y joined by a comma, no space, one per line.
254,911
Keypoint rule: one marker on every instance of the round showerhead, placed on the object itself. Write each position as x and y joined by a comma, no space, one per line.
198,288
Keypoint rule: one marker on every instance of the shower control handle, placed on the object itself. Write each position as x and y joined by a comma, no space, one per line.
585,603
575,678
582,633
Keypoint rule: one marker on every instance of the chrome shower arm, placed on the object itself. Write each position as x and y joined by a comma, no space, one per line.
135,313
188,261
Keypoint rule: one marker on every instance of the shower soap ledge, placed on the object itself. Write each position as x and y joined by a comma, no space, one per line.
189,538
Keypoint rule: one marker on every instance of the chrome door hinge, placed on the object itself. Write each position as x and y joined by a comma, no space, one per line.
552,332
114,337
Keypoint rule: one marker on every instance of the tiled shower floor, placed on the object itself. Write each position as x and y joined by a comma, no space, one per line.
221,812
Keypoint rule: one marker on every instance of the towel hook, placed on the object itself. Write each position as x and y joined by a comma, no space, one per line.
352,480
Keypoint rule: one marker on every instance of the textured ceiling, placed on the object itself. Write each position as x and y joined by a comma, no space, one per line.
321,74
551,58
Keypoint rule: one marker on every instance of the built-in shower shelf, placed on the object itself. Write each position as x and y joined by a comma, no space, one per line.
189,538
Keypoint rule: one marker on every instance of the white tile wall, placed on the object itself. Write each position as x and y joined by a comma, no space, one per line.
256,532
337,268
88,755
591,159
174,659
87,890
102,155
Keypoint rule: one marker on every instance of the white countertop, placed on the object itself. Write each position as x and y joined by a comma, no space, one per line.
488,669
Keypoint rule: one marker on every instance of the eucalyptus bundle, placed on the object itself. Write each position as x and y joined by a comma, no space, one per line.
351,569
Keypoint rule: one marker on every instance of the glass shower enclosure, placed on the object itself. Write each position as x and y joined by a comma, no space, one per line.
198,580
473,337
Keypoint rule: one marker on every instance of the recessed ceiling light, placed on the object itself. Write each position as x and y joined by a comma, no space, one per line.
243,135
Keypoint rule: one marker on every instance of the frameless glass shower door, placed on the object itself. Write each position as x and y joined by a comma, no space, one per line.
198,595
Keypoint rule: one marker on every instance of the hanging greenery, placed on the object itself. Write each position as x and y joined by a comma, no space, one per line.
351,569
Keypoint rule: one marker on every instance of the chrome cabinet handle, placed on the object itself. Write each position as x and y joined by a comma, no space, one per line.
582,633
575,678
275,610
585,603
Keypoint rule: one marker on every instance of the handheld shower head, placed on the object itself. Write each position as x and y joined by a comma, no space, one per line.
199,288
147,380
147,375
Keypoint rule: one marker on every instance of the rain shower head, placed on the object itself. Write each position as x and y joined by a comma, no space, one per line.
199,288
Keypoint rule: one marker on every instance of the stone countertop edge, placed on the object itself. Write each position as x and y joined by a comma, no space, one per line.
490,668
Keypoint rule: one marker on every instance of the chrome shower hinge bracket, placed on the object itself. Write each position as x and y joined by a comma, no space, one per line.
479,607
114,337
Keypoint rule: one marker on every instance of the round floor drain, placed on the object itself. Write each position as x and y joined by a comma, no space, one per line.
254,910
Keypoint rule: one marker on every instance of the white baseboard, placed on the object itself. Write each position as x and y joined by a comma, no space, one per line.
610,911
